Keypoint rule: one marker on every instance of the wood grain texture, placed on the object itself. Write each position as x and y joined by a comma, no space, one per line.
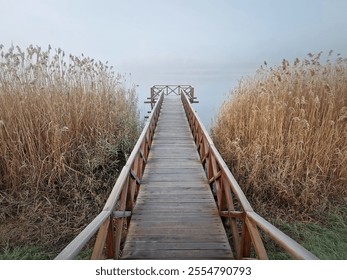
175,216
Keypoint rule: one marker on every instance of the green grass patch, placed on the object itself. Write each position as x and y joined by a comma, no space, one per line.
24,253
327,240
85,254
35,253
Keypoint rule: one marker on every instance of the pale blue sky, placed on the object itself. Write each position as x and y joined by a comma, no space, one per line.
209,44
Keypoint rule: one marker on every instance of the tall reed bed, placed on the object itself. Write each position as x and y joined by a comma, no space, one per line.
283,133
67,124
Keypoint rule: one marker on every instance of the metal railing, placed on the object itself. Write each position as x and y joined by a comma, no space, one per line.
113,219
233,206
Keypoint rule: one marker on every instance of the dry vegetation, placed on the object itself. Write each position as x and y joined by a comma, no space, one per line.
283,133
66,125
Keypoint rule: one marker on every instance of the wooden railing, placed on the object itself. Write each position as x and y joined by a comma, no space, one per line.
113,219
246,226
157,90
238,216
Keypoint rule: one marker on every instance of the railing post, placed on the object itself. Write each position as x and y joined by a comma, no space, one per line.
110,240
256,240
120,221
232,220
245,241
100,240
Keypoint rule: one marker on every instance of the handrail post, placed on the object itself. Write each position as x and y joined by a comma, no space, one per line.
245,241
110,240
100,240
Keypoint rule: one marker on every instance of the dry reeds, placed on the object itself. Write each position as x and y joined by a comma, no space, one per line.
283,133
66,125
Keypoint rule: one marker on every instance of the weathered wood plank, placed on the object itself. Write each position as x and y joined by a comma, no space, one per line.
179,184
174,199
189,212
178,254
176,184
178,232
173,170
131,246
150,215
179,204
173,224
154,177
171,191
177,238
169,163
176,195
175,218
176,208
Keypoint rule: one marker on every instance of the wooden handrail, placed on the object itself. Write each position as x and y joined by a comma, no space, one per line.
287,243
226,190
122,196
76,245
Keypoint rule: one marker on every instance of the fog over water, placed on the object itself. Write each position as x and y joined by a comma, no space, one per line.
207,44
212,84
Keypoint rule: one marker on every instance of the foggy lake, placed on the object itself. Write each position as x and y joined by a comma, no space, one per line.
210,89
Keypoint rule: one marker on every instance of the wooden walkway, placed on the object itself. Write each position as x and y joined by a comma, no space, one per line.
162,207
175,216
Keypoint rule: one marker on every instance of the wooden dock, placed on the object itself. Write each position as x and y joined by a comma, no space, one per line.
175,216
162,206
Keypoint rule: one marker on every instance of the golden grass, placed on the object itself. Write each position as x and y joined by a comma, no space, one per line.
283,133
66,125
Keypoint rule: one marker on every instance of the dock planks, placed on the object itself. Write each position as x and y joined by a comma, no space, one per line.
175,216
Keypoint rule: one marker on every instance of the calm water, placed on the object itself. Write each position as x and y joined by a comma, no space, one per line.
212,83
210,97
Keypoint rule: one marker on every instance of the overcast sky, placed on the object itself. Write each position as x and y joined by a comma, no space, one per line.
207,43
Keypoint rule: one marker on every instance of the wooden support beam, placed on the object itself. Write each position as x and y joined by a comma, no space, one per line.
215,177
100,240
143,157
232,214
245,242
256,240
134,176
110,241
121,214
